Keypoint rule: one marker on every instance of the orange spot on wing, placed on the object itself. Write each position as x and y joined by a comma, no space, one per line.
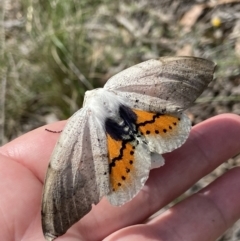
156,124
121,162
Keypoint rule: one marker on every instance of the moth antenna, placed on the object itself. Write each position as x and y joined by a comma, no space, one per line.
53,131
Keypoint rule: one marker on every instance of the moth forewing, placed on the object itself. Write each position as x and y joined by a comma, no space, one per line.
169,84
70,187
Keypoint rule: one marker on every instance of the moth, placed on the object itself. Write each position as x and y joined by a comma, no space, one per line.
109,146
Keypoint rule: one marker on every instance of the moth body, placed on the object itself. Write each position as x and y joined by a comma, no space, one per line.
103,104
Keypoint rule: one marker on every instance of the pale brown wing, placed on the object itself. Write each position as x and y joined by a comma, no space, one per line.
77,175
166,85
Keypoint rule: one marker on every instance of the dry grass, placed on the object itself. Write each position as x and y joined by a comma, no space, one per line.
52,51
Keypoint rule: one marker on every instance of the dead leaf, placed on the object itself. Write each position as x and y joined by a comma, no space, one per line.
191,16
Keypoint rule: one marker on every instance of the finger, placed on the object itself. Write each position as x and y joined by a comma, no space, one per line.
205,149
19,201
33,149
204,216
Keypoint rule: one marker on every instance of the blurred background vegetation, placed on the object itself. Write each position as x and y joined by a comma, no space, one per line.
52,51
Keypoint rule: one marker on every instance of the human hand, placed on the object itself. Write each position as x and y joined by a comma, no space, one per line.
203,216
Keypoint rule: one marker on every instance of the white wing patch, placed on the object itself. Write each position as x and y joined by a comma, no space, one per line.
157,160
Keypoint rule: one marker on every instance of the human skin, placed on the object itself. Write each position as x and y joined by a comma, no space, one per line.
203,216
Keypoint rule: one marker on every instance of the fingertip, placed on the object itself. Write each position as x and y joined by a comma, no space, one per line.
34,148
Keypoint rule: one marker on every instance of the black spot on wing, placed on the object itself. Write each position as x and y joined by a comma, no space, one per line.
127,115
118,130
114,129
